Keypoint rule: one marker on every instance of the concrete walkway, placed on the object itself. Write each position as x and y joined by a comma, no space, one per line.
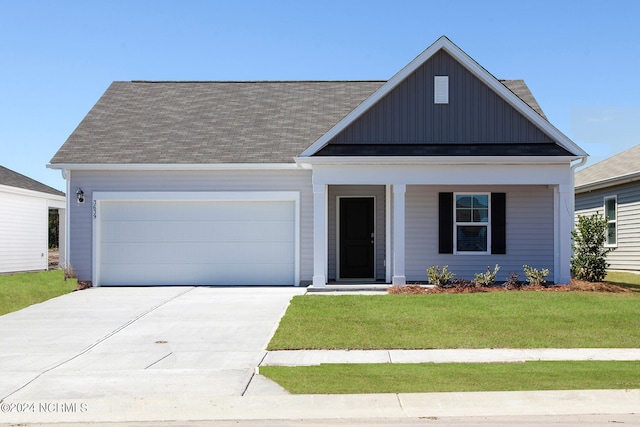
183,353
317,357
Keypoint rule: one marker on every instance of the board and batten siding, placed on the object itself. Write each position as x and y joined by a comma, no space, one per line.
626,256
376,191
474,113
529,222
81,245
24,233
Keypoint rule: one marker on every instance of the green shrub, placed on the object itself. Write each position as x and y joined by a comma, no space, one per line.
488,278
439,278
589,260
534,276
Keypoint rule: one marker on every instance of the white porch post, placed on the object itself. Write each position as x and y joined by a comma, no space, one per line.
319,235
564,210
399,277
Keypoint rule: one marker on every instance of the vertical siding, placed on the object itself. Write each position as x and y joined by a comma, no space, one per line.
530,237
376,191
23,233
90,181
626,256
474,114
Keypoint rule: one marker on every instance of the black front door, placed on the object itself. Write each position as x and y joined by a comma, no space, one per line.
356,238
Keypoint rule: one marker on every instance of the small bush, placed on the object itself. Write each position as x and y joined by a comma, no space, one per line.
488,278
439,278
536,277
513,281
589,261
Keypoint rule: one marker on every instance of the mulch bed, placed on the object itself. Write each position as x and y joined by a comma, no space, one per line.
574,286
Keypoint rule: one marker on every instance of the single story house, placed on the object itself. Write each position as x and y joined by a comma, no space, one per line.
24,222
612,188
298,182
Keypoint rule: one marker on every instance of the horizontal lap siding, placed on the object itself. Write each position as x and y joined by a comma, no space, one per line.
530,239
627,254
81,220
23,233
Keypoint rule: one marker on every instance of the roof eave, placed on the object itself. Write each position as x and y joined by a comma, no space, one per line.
605,183
434,160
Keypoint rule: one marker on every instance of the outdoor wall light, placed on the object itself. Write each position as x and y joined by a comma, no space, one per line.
80,195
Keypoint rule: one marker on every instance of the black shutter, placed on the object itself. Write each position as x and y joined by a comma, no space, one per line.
498,223
445,229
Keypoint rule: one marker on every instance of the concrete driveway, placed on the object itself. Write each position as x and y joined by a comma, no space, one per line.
139,343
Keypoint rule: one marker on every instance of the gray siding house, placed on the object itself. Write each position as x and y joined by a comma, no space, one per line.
612,188
288,183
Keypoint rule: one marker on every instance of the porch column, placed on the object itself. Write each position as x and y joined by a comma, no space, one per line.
399,277
565,218
319,235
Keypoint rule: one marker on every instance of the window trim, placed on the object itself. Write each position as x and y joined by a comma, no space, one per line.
614,221
456,223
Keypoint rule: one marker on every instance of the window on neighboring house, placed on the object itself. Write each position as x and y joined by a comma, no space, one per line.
472,223
611,215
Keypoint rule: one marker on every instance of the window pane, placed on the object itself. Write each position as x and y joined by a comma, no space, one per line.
481,201
463,215
472,238
463,201
481,215
610,209
611,233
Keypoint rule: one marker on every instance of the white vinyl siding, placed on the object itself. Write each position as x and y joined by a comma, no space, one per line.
529,222
626,255
23,233
186,181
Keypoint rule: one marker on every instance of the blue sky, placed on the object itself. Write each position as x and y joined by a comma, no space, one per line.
579,58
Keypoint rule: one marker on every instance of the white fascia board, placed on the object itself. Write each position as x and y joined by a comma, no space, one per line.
308,162
173,166
31,193
617,180
473,67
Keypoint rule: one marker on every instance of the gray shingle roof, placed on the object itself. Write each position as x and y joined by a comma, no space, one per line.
14,179
618,166
521,90
216,122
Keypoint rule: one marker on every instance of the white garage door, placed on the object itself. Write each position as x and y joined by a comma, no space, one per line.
196,243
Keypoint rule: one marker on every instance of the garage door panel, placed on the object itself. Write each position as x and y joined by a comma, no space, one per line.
195,275
197,243
180,231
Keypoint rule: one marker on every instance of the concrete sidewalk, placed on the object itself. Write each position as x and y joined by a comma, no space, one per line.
317,357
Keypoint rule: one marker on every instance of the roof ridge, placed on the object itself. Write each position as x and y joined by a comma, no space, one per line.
255,81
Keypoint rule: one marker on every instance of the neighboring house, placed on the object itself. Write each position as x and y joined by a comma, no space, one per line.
612,188
24,222
282,183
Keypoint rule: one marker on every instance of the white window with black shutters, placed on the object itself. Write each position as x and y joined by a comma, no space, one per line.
472,223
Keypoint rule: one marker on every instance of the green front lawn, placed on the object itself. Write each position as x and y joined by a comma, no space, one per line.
484,320
447,377
628,280
21,290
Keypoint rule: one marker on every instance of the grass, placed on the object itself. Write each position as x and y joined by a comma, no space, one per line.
628,280
486,320
447,377
21,290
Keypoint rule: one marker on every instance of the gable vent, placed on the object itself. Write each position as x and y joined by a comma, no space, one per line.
441,89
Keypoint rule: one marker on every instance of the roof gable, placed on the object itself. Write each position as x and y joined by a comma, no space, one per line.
407,98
